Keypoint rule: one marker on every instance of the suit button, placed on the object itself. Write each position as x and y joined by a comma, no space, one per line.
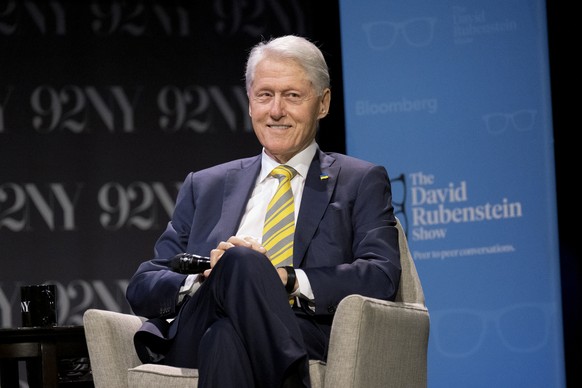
331,309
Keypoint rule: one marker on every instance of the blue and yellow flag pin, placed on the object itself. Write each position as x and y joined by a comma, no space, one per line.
323,177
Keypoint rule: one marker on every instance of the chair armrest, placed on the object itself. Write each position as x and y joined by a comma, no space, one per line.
110,343
376,343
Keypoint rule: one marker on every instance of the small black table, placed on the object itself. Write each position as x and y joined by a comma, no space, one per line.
45,350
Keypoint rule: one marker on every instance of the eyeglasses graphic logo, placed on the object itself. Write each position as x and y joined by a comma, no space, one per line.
399,200
521,328
416,32
521,120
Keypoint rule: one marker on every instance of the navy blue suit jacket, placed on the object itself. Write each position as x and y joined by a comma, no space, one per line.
346,239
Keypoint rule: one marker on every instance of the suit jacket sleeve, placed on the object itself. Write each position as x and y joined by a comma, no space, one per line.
153,289
208,209
354,248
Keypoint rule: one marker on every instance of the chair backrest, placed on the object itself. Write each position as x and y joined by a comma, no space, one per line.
109,337
410,289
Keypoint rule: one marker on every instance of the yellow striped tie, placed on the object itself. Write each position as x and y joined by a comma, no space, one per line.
280,219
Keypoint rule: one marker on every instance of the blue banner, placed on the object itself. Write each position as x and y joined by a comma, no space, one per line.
453,98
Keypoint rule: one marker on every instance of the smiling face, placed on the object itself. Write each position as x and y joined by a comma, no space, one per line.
284,107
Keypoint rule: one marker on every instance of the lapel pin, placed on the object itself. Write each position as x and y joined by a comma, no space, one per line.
323,177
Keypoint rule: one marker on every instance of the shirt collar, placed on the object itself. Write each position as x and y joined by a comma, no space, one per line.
299,162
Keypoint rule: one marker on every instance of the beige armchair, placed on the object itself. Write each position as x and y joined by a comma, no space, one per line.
373,343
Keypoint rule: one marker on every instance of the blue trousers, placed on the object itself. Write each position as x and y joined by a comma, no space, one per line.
239,330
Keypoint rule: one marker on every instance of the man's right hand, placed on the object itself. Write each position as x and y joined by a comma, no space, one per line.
233,241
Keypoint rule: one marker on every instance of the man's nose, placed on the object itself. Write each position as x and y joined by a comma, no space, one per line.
277,107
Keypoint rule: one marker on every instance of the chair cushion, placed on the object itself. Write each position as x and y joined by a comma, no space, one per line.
317,373
153,375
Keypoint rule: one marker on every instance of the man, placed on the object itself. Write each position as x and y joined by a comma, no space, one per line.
249,321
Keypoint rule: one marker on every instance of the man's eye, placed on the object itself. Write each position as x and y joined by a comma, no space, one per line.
263,97
293,97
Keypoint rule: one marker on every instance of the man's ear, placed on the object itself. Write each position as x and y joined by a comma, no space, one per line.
325,103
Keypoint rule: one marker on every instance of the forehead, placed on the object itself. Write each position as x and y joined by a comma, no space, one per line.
281,73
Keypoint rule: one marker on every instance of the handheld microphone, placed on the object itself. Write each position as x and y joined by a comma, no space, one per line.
188,263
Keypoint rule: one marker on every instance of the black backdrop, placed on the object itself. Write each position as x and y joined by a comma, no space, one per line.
105,106
561,24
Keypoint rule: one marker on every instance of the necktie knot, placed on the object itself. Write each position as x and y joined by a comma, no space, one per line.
283,171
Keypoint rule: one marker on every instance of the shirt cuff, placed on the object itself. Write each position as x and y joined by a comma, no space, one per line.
190,286
304,290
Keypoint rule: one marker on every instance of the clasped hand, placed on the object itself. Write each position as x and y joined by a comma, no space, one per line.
235,241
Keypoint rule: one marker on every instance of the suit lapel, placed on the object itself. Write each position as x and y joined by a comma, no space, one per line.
237,190
319,186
